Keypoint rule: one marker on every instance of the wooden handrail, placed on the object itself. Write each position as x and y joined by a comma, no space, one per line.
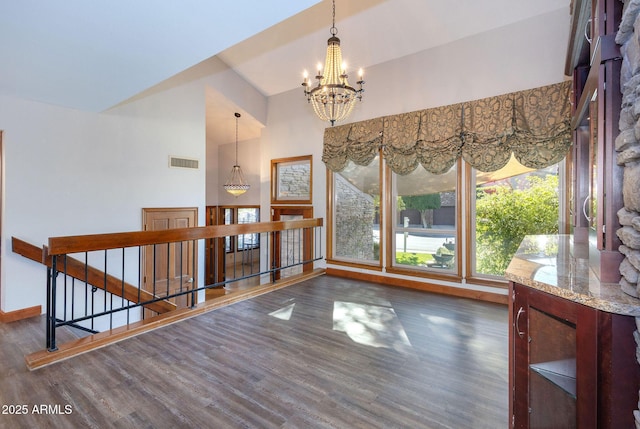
94,277
92,242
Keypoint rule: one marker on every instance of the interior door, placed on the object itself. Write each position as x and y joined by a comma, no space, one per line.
169,268
292,247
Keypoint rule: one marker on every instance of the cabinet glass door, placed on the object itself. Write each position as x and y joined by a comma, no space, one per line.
552,371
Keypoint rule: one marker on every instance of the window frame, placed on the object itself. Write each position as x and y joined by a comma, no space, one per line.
498,281
233,242
454,274
331,205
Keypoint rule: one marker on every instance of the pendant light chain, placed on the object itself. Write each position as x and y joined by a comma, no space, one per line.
237,116
236,184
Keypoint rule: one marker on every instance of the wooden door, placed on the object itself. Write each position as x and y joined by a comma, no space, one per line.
291,247
170,268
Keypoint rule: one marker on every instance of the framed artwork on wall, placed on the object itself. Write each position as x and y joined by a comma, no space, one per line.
291,180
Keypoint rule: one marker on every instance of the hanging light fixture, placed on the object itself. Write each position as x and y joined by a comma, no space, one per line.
333,98
235,184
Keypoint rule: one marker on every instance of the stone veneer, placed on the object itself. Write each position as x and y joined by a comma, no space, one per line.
354,213
628,155
628,146
294,181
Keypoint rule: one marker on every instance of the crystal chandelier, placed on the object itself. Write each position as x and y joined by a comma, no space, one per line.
333,98
235,184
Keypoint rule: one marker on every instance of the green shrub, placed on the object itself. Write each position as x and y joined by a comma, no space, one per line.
505,215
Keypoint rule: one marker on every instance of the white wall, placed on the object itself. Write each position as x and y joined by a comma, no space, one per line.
69,172
516,57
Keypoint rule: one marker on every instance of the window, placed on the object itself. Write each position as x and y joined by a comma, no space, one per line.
425,220
356,215
248,215
508,204
238,215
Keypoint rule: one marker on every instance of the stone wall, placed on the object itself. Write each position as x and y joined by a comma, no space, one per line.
294,181
628,146
628,155
354,213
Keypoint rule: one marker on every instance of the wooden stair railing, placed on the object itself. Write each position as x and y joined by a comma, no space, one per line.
56,256
94,277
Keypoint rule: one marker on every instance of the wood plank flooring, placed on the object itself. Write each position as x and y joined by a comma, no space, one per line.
324,353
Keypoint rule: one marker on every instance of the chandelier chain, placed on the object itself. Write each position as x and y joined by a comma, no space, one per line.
333,29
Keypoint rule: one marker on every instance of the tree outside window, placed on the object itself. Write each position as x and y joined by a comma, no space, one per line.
509,209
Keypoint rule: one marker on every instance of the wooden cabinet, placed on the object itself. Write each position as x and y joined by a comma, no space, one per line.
594,62
570,365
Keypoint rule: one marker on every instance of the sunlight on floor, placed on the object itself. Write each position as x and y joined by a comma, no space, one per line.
370,325
283,313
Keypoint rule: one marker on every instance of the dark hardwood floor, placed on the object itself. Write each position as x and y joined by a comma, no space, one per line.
325,353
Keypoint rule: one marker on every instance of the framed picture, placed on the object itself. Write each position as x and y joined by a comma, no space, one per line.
291,180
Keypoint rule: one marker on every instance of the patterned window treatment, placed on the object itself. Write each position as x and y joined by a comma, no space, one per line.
533,124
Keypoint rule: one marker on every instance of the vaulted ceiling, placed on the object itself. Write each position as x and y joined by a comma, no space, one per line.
92,55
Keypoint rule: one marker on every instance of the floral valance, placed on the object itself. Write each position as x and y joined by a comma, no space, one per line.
534,125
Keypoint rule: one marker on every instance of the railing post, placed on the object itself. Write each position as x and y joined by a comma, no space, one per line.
52,274
273,257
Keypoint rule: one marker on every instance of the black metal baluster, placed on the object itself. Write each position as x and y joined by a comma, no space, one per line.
194,244
105,280
51,311
153,276
64,299
140,282
168,269
273,256
300,244
93,288
73,289
122,287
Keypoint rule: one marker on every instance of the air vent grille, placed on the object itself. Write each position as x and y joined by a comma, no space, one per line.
183,162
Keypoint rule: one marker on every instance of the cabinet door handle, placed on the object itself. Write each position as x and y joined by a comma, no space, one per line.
584,209
520,312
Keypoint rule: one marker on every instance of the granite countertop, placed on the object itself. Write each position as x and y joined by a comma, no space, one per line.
554,264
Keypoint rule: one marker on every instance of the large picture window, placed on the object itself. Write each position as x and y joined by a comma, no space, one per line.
356,202
425,220
427,224
510,203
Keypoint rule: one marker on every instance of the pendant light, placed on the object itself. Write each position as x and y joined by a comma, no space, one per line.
235,184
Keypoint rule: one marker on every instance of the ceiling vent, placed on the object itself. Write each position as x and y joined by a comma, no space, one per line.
177,162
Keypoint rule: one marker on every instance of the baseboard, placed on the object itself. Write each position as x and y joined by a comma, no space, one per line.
23,313
420,285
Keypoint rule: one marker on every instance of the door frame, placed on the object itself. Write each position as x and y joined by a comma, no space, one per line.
146,215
